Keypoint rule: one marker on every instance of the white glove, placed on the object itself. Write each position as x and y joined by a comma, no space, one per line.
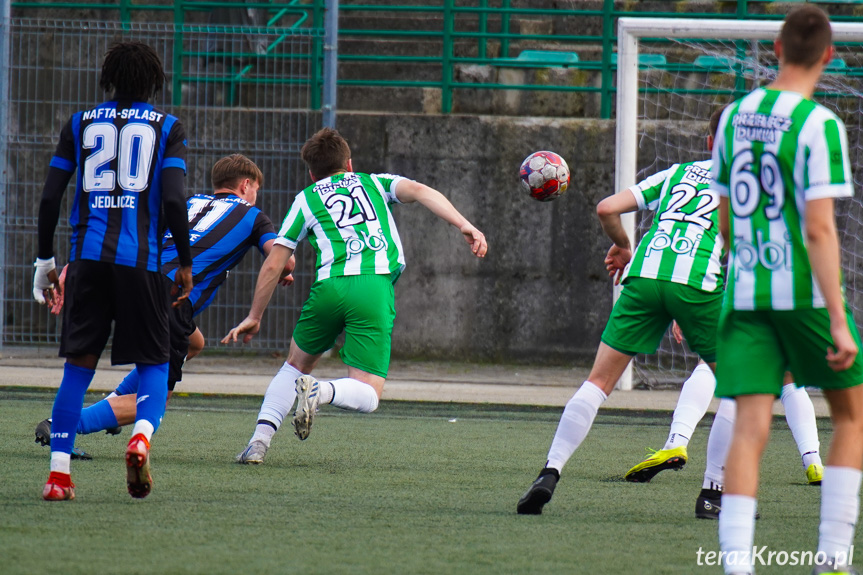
40,278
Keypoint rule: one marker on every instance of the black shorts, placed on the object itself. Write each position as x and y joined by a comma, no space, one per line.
182,326
136,301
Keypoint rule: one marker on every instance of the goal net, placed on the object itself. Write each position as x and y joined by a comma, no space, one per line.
680,82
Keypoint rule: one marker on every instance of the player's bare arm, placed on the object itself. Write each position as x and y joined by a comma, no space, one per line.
286,277
724,222
823,244
183,284
608,211
409,191
268,277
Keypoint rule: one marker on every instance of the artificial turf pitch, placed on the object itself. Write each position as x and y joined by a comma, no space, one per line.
411,488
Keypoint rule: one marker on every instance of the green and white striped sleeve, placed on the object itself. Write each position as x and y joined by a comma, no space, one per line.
386,184
828,169
648,191
295,225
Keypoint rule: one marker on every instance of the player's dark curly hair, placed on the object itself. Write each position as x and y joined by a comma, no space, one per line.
132,69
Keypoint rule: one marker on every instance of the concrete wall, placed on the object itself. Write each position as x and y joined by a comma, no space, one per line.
542,292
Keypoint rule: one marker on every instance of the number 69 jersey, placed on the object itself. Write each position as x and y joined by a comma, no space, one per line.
683,244
774,152
120,149
349,224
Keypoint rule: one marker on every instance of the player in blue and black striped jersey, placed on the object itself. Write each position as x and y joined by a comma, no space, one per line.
130,160
223,225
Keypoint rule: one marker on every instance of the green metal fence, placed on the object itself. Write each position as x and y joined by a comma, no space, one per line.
242,90
464,32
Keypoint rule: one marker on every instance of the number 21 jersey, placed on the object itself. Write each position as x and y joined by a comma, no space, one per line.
348,222
120,149
683,244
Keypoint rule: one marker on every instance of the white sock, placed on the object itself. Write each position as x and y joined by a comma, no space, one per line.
840,504
349,393
278,401
326,391
112,394
61,462
263,432
145,427
737,532
577,418
691,406
800,415
718,443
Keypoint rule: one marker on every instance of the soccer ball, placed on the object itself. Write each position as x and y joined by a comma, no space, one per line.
544,175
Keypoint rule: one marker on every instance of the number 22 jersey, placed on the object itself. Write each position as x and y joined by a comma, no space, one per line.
683,244
120,149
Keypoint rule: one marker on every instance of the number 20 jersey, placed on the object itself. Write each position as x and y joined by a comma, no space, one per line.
120,149
348,222
683,244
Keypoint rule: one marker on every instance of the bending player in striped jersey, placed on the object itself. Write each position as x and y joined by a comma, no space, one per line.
347,219
223,225
675,274
800,415
779,163
695,397
131,161
692,404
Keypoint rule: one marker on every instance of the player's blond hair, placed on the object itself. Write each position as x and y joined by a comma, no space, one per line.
231,170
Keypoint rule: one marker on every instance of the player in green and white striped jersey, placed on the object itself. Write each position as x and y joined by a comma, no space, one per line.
675,274
779,161
682,245
346,217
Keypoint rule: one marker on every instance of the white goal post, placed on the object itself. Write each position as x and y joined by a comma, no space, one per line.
629,32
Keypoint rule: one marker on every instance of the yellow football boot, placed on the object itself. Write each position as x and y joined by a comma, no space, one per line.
814,474
657,461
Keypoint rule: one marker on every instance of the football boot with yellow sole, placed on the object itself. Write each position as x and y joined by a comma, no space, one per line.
657,461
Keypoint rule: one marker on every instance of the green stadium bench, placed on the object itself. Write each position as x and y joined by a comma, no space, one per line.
540,59
645,60
713,63
837,64
558,58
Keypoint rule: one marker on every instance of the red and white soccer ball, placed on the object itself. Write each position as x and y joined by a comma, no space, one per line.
544,175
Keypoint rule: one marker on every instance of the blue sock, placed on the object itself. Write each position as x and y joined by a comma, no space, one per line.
152,392
97,417
129,385
68,405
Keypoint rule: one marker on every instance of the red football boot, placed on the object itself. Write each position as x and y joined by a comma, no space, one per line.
59,487
138,479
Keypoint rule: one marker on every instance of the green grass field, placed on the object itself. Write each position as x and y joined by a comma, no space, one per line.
403,490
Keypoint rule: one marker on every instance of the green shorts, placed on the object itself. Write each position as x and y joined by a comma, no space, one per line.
364,307
644,311
756,347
